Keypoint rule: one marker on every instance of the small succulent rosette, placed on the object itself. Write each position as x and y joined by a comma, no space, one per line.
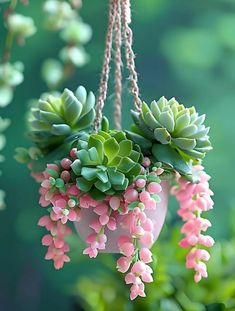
114,185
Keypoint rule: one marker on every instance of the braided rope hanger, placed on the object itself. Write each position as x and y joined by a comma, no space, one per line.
118,21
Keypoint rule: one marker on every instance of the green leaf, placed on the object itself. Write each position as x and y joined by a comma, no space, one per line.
76,167
184,143
111,149
165,154
104,135
51,118
94,156
150,120
187,131
119,136
97,194
144,108
103,177
97,144
135,156
132,205
136,169
141,126
155,109
125,148
153,178
89,173
82,144
59,183
52,173
86,121
115,162
103,186
167,121
182,121
83,184
60,129
194,154
105,124
116,178
162,135
144,143
156,198
88,105
123,186
81,94
84,157
126,165
72,107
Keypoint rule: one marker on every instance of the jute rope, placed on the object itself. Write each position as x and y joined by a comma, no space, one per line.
106,67
130,56
118,65
119,19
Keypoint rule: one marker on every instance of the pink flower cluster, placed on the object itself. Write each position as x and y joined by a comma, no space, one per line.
65,202
193,200
105,219
61,198
135,246
55,241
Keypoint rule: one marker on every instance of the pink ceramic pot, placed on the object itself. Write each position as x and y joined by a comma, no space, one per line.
157,216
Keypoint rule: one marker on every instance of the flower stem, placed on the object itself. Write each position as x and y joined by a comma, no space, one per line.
9,36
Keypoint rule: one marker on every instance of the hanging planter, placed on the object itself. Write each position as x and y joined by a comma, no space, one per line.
113,184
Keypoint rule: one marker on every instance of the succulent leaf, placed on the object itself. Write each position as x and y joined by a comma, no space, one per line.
107,163
167,155
169,123
58,117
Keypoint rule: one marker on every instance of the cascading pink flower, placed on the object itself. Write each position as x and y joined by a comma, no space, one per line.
193,200
65,202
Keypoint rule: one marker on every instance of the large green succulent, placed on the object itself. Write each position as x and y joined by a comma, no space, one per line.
107,162
58,117
170,130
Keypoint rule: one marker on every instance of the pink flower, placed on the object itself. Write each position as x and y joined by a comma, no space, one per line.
127,249
154,187
137,290
195,199
131,195
140,183
91,252
144,196
114,203
57,255
145,255
66,163
123,264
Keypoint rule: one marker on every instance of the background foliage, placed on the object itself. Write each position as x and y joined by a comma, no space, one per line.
184,49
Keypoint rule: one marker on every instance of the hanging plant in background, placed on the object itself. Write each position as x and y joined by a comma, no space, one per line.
18,28
113,184
63,17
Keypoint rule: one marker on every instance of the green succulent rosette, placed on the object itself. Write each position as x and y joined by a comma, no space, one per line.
107,162
173,134
59,117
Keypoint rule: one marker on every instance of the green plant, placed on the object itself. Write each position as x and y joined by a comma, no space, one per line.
107,163
175,135
58,117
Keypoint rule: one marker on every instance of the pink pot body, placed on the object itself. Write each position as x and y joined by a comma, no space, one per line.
157,216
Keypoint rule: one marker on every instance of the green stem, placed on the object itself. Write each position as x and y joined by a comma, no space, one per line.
9,36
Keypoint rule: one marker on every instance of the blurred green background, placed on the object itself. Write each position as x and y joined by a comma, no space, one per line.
185,49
